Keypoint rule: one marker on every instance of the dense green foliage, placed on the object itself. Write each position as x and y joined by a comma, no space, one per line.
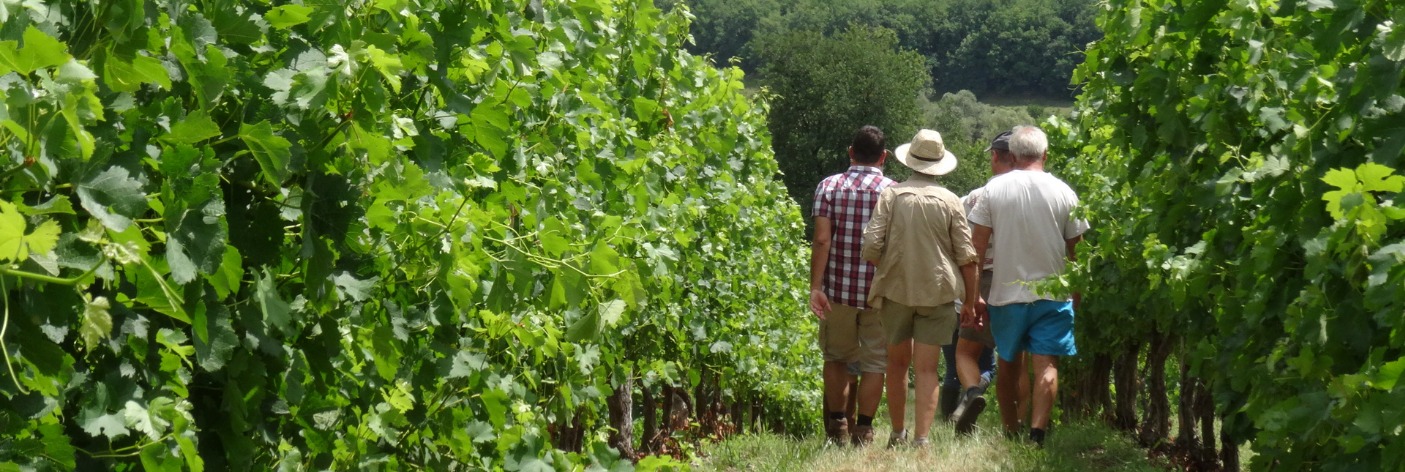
1024,48
380,234
866,79
1240,162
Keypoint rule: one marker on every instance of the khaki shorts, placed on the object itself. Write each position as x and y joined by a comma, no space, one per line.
855,337
971,334
930,325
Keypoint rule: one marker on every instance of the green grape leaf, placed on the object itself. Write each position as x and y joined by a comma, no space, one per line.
610,312
113,197
110,425
95,323
1393,39
553,244
196,127
1389,375
1343,179
466,363
1378,178
1315,5
57,445
214,349
123,76
39,51
400,397
604,260
389,65
386,352
74,72
57,205
227,280
1273,119
586,326
490,125
270,150
349,286
276,312
287,16
154,292
15,245
481,432
148,419
196,239
495,401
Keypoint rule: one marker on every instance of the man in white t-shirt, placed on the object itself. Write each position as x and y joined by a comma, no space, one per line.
1026,215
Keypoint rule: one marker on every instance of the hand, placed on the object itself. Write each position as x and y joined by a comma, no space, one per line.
971,315
819,303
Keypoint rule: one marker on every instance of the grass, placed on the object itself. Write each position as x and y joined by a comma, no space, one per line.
1070,447
1076,447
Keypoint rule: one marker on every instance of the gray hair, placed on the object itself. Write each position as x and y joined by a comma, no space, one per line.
1028,143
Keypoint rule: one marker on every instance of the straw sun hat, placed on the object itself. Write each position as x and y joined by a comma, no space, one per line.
927,154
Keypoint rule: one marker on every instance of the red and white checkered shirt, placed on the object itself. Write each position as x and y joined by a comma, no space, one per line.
848,199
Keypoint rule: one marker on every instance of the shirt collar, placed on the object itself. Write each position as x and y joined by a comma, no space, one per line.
866,169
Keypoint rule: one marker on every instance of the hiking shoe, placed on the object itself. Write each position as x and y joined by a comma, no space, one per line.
861,436
1036,436
920,442
837,431
972,404
898,438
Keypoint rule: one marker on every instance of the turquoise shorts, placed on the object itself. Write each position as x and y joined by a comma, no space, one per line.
1042,327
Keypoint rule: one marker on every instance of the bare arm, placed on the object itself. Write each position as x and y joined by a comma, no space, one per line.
819,259
975,317
1071,252
980,237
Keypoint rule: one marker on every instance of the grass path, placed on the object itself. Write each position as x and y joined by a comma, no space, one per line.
1070,447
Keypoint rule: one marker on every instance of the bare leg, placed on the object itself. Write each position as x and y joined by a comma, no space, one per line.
925,362
836,382
1007,390
968,370
851,404
870,392
1023,404
899,359
1046,387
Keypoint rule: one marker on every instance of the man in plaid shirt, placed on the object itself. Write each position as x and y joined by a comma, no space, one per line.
850,332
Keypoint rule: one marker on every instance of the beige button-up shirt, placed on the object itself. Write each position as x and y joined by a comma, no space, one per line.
918,238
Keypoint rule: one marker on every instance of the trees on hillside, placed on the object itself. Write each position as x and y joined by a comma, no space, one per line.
1024,47
825,88
1028,48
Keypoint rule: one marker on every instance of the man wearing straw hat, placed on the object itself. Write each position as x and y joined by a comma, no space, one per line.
919,240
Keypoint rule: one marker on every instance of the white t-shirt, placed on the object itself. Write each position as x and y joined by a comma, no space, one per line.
1030,213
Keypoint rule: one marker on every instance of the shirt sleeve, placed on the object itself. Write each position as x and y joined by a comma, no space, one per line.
960,233
875,235
823,206
1074,226
980,211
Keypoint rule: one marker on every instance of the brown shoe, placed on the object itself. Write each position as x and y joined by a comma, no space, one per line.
897,439
837,431
862,436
